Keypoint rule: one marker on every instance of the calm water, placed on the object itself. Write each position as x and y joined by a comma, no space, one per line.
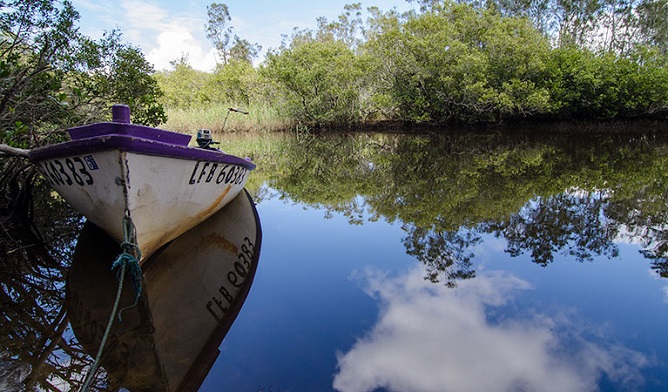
460,263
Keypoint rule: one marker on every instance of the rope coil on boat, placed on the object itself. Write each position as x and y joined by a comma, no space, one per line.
128,260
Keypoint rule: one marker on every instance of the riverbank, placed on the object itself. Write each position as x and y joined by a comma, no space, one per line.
263,118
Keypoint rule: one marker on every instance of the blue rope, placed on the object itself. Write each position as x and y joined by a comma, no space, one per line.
129,259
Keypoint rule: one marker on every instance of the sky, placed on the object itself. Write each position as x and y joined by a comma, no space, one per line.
165,30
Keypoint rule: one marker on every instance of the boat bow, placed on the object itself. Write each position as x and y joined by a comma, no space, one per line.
113,169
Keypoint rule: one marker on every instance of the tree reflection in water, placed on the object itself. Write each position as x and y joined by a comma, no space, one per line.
38,231
543,195
446,255
574,222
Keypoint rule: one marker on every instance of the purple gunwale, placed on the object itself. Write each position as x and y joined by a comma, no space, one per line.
122,135
139,131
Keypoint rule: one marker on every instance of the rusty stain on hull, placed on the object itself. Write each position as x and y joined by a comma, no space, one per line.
213,207
221,242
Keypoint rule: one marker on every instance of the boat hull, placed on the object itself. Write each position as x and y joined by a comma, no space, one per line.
192,290
113,170
163,196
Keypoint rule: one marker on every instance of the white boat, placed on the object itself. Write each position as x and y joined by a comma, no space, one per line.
192,290
116,169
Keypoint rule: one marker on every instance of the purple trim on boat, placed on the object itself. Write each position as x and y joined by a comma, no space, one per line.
121,126
140,131
135,145
121,134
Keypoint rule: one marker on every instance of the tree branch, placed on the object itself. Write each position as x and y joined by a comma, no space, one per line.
6,150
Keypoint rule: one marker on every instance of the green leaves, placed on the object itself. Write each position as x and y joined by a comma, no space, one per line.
131,83
323,80
52,77
459,63
605,86
454,63
218,29
221,33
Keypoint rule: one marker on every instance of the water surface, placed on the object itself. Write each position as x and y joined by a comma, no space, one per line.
462,263
459,262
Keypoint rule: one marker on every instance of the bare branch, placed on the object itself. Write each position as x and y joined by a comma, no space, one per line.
6,150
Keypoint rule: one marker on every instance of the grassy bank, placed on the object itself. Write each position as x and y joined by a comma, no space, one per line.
262,119
218,118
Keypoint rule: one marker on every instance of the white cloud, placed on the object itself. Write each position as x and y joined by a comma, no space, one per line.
142,15
172,44
431,338
166,36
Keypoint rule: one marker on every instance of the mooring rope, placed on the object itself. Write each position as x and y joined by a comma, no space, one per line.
128,259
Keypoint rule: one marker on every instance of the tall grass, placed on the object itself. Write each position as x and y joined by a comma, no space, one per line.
265,148
218,118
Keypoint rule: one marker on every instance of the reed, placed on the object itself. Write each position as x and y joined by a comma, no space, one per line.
266,149
265,146
218,118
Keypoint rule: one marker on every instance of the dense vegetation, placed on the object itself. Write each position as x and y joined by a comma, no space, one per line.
51,77
444,62
450,62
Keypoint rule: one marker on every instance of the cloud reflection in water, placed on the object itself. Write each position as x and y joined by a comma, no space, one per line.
432,338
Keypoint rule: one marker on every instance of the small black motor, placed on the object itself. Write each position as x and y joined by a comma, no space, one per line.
204,139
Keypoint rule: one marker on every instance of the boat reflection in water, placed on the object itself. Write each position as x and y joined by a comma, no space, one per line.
192,290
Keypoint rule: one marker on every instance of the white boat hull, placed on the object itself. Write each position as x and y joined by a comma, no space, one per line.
163,196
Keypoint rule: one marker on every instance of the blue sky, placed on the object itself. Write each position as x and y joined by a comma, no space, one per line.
166,29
